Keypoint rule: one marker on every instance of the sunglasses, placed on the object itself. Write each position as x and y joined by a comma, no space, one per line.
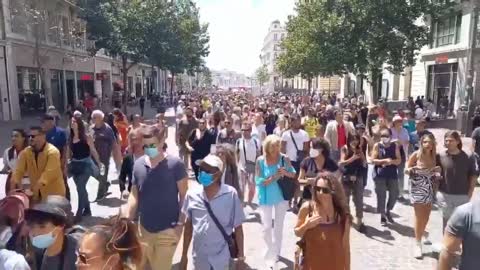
31,136
384,136
83,259
246,130
323,190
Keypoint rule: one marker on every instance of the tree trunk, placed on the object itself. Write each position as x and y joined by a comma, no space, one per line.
125,83
376,85
171,87
41,73
309,83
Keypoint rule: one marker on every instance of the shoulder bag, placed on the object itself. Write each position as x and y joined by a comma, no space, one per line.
287,185
230,239
300,153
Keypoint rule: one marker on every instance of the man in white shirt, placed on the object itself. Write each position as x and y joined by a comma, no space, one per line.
259,128
296,145
295,141
248,149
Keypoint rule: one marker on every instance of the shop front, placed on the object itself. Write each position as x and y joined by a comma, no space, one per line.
31,95
442,86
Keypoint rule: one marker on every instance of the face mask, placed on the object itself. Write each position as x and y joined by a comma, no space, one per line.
205,179
385,140
151,152
5,236
314,153
43,241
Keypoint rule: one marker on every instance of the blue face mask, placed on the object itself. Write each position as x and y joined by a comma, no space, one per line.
43,241
151,151
205,179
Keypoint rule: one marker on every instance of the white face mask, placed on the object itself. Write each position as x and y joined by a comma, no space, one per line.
5,236
385,140
314,153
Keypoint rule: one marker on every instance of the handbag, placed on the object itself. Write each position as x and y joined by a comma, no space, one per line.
288,186
300,153
249,165
230,239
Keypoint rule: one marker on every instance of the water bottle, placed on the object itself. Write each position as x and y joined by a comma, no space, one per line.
102,169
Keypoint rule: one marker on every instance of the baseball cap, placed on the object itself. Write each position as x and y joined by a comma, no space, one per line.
397,118
211,160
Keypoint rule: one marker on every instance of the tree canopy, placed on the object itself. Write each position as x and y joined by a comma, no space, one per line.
167,34
329,37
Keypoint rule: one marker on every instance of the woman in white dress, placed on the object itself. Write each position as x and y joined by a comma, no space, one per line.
10,157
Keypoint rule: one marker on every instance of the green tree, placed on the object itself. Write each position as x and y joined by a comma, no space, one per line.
362,37
261,74
119,27
207,77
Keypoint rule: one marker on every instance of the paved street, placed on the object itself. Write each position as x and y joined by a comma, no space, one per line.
380,248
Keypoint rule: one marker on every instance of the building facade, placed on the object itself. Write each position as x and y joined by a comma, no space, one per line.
226,79
448,66
270,51
46,60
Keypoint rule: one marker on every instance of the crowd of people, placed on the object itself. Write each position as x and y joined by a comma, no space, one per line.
270,154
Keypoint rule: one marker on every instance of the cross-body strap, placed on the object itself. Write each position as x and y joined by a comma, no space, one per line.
244,151
217,223
293,139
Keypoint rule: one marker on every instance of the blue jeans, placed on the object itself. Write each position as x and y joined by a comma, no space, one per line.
81,183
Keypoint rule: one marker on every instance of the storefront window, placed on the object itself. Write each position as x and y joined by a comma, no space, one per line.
442,85
30,93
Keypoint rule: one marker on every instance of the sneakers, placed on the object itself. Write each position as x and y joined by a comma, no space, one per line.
389,217
426,241
383,221
417,251
125,194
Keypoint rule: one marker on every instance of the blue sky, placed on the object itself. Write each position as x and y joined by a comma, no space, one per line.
237,29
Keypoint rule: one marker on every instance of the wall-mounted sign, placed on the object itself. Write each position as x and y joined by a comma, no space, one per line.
441,59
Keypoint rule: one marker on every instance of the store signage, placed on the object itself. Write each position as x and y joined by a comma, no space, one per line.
441,59
101,76
86,77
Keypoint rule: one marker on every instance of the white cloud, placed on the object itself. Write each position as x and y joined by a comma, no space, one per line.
237,29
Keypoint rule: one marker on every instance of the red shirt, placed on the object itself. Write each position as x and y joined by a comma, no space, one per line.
341,135
88,103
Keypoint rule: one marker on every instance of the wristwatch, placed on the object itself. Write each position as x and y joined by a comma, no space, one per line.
241,258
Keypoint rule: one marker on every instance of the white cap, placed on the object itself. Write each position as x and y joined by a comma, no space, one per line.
397,118
211,160
77,114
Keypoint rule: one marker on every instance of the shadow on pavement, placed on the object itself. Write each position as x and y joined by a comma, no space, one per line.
369,209
376,234
253,218
402,229
287,262
111,202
